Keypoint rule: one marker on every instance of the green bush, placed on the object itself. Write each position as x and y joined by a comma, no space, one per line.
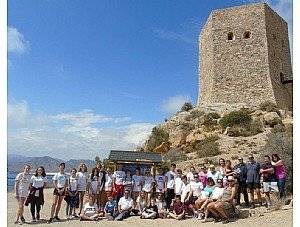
196,113
208,147
187,106
268,106
278,128
214,115
236,118
158,135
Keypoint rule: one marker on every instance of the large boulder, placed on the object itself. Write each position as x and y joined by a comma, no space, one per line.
272,119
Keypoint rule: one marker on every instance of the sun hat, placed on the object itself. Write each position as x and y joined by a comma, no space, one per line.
231,178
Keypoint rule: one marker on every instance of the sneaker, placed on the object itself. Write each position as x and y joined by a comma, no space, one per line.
22,219
56,218
76,215
119,217
37,217
33,220
50,220
19,222
218,219
225,220
81,219
252,206
269,206
110,218
204,220
260,203
95,219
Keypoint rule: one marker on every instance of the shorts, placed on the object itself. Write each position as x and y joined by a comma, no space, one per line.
270,187
226,205
253,185
55,192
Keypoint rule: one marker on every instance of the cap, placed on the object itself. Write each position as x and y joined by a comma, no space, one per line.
212,166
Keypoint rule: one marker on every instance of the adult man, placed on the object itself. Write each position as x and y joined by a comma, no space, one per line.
124,206
170,185
253,179
269,179
118,178
215,175
241,175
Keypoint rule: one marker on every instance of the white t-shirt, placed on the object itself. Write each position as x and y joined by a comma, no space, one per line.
24,181
185,191
160,204
137,186
94,181
171,176
215,176
90,210
119,176
190,176
178,185
38,182
196,188
61,179
160,183
108,182
217,192
73,183
125,203
148,183
141,203
82,180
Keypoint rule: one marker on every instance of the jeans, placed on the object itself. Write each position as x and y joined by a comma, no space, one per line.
242,189
281,186
169,196
36,202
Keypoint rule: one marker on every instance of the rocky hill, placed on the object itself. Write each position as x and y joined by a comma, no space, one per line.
50,164
188,131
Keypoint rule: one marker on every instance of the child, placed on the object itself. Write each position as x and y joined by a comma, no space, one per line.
150,211
73,200
94,183
161,205
90,211
178,211
110,208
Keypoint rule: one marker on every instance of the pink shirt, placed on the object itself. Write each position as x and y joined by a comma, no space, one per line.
280,172
203,178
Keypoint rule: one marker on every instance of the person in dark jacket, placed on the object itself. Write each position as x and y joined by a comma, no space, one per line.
241,176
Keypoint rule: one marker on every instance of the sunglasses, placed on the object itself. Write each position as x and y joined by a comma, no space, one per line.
219,181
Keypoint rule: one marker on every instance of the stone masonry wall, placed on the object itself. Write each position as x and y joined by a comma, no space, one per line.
235,61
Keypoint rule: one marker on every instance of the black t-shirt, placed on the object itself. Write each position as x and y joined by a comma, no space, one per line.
153,208
268,177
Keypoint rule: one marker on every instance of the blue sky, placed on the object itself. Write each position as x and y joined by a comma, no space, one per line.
86,77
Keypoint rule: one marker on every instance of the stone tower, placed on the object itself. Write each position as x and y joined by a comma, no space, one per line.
245,57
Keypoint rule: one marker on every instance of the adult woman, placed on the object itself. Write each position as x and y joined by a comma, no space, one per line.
108,185
280,174
203,175
221,169
148,184
82,175
137,186
60,183
207,191
224,202
22,182
37,183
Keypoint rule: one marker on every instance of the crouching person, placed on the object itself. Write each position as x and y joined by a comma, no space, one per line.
90,211
124,207
151,211
178,211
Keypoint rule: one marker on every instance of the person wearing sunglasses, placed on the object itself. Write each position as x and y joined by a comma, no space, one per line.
253,180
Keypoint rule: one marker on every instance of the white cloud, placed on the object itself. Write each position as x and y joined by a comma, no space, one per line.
16,42
18,112
174,104
71,135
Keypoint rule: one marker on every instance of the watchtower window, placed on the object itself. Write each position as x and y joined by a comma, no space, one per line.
230,36
247,35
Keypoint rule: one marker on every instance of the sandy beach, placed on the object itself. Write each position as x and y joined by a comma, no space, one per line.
274,218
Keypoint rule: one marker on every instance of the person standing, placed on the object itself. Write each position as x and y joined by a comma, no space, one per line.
214,174
160,180
82,175
37,183
73,193
108,185
22,182
60,182
148,184
241,175
118,186
190,175
253,180
269,179
137,184
170,185
280,174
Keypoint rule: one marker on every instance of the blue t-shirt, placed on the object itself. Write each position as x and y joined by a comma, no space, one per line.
110,206
253,172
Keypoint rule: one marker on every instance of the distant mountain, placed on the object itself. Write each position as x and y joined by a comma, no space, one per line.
15,158
50,164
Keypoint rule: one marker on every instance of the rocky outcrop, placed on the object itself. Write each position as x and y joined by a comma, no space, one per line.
272,119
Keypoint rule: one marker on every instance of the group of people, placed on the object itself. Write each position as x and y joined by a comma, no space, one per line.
214,191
